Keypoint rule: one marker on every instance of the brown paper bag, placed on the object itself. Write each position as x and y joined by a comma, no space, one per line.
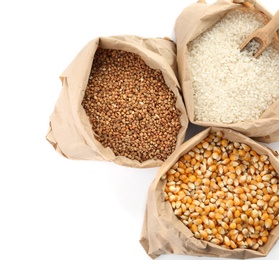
70,131
193,21
164,233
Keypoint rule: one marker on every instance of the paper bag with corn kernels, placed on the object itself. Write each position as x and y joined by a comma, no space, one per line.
71,132
215,85
216,195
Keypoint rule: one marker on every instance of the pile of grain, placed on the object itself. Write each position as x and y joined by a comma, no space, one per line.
131,109
225,193
231,86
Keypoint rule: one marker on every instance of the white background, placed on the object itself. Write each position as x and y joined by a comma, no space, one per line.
52,207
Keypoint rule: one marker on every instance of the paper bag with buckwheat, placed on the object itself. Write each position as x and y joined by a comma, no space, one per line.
216,195
222,86
120,102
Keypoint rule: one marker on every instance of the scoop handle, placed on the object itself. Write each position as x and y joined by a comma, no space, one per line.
273,25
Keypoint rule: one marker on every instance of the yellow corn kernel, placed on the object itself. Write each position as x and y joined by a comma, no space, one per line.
238,190
237,221
181,165
227,241
203,234
241,153
194,228
246,147
225,225
224,142
266,197
211,224
233,225
199,210
197,222
192,178
215,241
221,230
268,223
219,216
264,239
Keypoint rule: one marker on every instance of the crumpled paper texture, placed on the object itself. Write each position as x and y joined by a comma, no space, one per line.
164,233
70,131
193,21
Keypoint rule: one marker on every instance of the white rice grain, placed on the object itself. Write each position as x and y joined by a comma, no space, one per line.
231,86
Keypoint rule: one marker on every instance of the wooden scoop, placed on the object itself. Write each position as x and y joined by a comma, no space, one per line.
263,35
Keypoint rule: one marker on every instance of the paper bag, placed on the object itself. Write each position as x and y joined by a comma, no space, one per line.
70,131
192,22
164,233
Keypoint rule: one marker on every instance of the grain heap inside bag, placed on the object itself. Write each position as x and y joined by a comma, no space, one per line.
222,86
217,195
131,108
225,193
120,102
